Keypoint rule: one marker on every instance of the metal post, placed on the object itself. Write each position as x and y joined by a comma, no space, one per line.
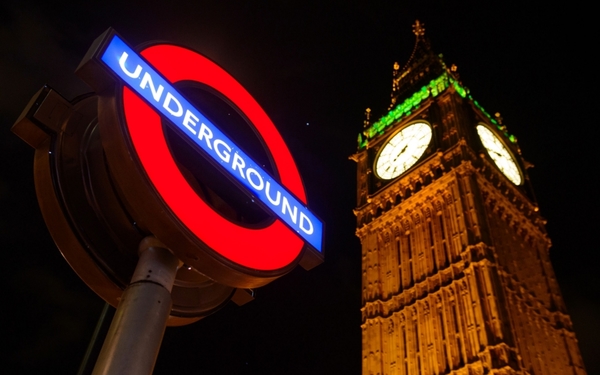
135,334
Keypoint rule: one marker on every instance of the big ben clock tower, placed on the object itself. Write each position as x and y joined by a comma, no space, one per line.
456,275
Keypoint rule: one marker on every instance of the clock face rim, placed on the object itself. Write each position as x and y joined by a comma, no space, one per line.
508,155
416,156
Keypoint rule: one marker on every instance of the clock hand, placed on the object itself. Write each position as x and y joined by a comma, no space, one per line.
400,153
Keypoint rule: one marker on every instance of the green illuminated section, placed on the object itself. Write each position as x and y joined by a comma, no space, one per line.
493,120
510,137
432,89
459,89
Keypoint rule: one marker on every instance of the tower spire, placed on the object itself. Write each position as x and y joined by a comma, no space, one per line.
422,65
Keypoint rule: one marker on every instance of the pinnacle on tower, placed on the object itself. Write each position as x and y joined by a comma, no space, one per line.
418,28
367,121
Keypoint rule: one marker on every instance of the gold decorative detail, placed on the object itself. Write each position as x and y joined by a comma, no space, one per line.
527,164
419,28
498,117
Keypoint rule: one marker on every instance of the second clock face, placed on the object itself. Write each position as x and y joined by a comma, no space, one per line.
402,150
500,154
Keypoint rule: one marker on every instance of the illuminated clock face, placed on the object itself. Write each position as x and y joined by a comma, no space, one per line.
500,154
402,150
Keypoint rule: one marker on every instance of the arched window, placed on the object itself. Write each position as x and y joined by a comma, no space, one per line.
442,335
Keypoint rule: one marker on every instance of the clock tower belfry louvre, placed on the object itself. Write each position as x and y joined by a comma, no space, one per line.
456,275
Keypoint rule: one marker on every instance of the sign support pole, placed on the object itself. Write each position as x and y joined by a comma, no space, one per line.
135,334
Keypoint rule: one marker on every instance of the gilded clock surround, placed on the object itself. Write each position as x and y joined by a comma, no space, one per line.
456,276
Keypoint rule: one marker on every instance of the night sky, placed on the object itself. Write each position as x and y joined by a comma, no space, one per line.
314,67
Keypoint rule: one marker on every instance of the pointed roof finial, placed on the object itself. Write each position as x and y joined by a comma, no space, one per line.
419,28
498,117
367,121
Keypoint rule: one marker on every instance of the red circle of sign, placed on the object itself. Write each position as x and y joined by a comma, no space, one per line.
266,249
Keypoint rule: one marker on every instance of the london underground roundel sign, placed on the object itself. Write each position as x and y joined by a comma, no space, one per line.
143,97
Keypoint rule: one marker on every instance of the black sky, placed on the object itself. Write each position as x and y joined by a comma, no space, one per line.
314,67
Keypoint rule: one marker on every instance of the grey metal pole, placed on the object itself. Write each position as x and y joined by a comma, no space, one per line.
135,334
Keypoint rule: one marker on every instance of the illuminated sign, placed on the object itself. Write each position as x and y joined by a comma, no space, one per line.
151,76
